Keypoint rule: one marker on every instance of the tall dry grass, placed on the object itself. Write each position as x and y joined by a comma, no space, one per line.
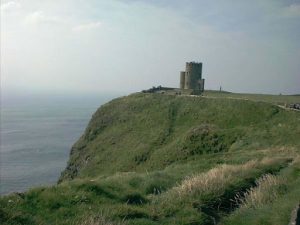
296,160
267,190
216,179
99,220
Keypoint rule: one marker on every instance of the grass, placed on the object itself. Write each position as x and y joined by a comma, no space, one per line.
211,193
146,132
217,178
98,220
274,202
150,159
140,198
274,99
267,189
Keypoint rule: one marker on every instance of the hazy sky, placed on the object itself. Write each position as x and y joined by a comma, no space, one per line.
94,46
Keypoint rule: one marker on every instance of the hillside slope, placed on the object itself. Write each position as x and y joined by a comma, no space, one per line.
152,159
144,132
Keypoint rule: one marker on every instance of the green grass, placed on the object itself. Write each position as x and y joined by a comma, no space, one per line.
137,198
275,99
162,159
145,132
277,211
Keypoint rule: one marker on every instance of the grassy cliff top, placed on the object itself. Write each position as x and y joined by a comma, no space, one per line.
151,159
144,132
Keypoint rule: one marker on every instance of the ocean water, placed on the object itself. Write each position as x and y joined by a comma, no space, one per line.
36,137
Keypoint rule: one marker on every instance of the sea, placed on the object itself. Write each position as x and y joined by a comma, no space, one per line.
37,133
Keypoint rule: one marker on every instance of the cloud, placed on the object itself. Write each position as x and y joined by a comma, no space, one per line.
150,44
87,26
38,17
10,6
292,10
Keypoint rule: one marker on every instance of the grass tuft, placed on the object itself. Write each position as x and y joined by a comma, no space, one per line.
99,220
268,188
219,177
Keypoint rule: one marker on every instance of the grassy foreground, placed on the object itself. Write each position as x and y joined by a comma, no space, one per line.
159,159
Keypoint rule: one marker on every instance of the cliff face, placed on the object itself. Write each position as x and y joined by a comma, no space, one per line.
143,132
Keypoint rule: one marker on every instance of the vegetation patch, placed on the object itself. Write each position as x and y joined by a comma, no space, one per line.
207,138
99,220
135,199
150,159
267,189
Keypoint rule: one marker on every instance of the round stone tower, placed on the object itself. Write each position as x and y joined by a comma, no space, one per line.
193,75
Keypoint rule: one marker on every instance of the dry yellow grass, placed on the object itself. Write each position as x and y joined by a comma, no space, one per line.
213,180
99,220
218,178
296,160
267,190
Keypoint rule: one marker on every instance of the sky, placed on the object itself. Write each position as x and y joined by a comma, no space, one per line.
105,46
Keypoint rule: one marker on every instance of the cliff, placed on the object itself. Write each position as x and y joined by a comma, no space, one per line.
151,131
150,159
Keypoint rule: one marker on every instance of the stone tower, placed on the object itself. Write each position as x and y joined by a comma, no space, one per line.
191,78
